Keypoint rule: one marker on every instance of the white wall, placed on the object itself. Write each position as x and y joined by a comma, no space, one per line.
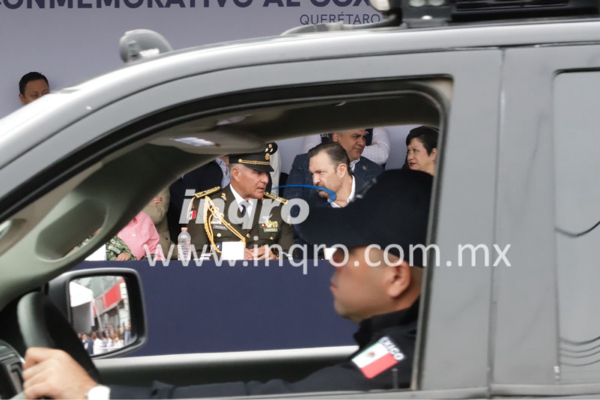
73,45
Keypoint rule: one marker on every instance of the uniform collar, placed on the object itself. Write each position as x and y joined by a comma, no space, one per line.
240,200
370,327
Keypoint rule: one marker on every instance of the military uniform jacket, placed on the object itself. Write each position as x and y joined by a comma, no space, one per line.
269,229
384,361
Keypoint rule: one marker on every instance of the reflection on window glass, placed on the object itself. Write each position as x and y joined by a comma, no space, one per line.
100,313
577,169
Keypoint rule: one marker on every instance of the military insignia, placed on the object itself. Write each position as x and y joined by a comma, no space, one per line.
267,156
224,196
271,148
378,357
273,197
270,226
207,192
248,235
364,167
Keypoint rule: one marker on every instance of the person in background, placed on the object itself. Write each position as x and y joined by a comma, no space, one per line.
110,344
88,344
157,211
32,86
353,141
204,178
329,166
377,151
117,250
421,149
118,340
275,160
223,162
330,169
98,344
136,234
213,225
127,334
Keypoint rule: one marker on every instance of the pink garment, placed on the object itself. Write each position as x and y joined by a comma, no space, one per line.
139,232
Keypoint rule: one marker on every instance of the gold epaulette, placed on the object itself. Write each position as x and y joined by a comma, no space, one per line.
273,197
207,192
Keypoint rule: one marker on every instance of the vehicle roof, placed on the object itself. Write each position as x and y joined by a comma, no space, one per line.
29,126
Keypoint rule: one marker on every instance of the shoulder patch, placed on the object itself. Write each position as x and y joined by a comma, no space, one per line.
378,357
207,192
273,197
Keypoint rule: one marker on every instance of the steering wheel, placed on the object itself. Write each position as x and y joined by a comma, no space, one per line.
42,325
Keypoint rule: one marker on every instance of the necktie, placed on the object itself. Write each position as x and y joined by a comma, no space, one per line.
244,207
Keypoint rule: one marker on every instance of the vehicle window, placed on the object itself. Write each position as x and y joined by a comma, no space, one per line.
266,308
248,307
262,324
576,138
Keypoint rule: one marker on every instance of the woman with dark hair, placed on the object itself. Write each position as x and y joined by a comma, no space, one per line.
421,149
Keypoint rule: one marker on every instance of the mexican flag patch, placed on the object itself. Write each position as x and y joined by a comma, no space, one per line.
378,357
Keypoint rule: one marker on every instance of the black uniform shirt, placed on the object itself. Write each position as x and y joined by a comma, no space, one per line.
384,361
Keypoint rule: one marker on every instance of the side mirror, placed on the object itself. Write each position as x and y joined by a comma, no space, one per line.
105,307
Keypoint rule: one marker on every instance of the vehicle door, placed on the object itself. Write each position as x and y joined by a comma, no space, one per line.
547,327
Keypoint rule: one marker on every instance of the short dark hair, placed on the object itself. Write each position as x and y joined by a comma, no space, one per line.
32,76
335,151
426,135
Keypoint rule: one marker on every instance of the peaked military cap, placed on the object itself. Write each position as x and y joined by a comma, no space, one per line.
260,161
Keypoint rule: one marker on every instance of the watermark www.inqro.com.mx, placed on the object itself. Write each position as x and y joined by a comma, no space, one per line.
375,256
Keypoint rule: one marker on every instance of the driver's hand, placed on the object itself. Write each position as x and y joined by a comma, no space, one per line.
54,373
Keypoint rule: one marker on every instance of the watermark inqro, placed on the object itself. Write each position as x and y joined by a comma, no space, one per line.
375,256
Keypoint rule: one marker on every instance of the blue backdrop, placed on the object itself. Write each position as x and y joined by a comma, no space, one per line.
213,309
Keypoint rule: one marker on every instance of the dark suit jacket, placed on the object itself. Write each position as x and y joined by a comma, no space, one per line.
90,346
365,169
318,201
258,234
206,177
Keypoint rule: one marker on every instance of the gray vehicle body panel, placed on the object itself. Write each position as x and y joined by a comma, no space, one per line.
25,129
482,328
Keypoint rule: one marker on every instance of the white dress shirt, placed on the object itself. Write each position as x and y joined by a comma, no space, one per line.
350,198
240,200
378,153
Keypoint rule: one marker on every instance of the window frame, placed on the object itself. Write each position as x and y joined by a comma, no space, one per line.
469,114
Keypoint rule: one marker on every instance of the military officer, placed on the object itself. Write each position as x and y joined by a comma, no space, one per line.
241,212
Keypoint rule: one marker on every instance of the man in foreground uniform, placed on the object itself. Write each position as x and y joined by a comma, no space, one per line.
241,212
375,288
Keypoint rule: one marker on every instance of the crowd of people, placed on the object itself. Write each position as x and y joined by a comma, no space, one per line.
342,163
107,340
